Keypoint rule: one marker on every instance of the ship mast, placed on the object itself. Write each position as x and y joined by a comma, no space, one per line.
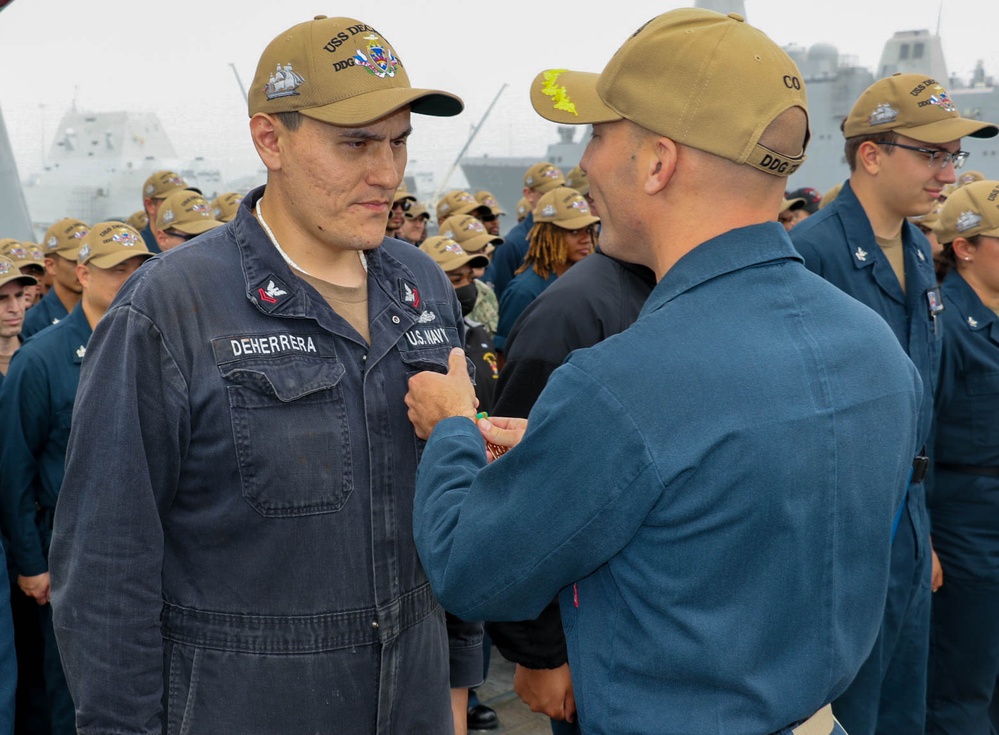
240,83
471,137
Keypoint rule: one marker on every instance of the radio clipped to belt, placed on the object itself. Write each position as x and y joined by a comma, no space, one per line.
917,473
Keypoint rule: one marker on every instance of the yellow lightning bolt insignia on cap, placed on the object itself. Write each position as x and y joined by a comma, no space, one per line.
558,93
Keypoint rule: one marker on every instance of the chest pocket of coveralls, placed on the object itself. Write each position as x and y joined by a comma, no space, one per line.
289,423
432,359
983,390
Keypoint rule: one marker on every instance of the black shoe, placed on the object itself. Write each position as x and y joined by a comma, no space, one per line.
481,717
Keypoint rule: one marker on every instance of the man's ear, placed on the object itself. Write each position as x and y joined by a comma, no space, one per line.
661,164
266,134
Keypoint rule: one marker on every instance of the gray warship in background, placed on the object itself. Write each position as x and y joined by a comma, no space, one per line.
832,84
97,164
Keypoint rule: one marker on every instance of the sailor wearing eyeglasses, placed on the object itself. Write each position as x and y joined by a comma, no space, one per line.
903,140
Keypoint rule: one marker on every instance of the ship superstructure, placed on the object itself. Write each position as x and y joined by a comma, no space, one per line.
97,163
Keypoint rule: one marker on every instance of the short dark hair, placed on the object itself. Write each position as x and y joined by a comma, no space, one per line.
291,120
853,145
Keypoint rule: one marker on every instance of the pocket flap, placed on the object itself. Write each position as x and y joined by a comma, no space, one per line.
285,378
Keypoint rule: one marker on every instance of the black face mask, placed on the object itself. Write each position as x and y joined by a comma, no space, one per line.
467,296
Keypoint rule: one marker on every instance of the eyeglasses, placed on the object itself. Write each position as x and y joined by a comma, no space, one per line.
942,158
180,235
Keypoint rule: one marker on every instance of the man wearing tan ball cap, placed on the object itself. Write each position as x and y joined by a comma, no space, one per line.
491,220
414,224
903,146
182,216
473,237
401,202
158,187
685,486
458,201
28,259
60,245
470,233
225,206
243,560
36,411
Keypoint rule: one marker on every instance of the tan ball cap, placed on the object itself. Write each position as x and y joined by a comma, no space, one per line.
110,243
915,106
449,255
706,80
401,195
187,212
416,210
138,219
10,272
543,177
565,208
966,177
931,220
456,202
489,199
796,203
471,234
578,180
523,208
19,253
831,194
163,183
225,206
339,71
971,210
63,237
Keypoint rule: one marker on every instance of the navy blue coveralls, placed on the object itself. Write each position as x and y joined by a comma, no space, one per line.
8,657
36,409
659,503
150,239
509,256
964,640
48,311
259,466
889,693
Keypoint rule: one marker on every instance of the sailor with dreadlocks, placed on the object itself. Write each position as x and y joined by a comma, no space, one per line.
563,233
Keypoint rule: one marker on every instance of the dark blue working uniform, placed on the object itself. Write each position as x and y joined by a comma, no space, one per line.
150,239
889,694
8,656
48,311
509,256
964,504
518,295
233,548
36,408
687,486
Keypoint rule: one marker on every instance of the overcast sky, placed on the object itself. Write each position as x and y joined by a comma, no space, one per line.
102,56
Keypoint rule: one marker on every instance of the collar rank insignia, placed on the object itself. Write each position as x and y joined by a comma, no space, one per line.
81,351
270,292
972,322
409,294
860,255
